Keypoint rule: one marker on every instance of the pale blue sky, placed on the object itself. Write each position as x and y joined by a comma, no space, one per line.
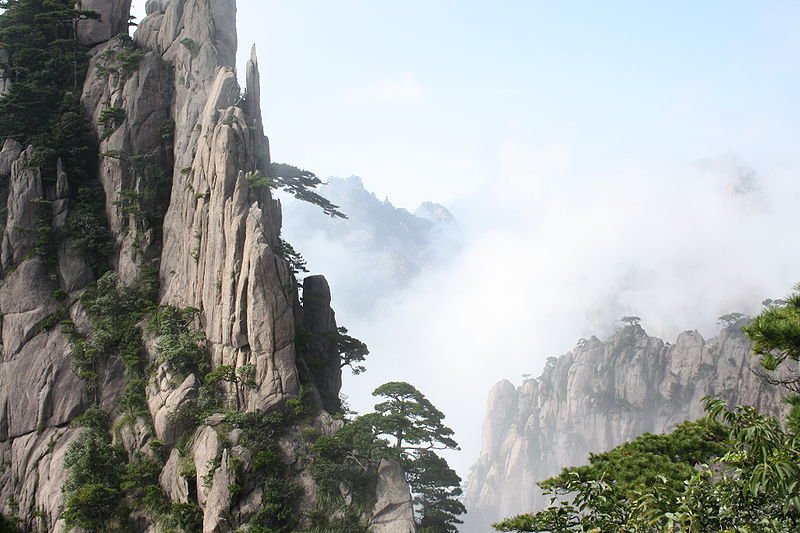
594,153
400,92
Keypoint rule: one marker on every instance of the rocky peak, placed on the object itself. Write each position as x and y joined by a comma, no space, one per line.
436,213
181,151
595,397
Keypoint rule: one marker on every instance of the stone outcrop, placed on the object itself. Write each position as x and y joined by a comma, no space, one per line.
596,397
393,512
114,16
320,350
182,160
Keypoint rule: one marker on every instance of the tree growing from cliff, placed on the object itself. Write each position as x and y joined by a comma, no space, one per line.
301,184
630,320
414,429
93,499
730,319
352,351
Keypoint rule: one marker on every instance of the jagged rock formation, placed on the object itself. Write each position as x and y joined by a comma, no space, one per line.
596,397
387,245
179,143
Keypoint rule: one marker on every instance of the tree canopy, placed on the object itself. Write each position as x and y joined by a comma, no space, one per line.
410,419
776,340
347,462
415,430
40,42
301,184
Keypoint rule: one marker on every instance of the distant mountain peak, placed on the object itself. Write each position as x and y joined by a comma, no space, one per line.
436,213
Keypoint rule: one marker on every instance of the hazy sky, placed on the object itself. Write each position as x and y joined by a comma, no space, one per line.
603,159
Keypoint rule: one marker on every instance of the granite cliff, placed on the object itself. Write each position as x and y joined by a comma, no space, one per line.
180,150
595,397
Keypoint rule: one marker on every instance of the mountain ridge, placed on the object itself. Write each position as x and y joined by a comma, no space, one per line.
595,397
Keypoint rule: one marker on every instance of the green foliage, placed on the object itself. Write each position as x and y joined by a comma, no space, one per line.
630,320
187,517
46,66
415,430
775,334
437,489
44,61
110,119
349,458
296,261
189,44
650,459
45,246
260,434
139,481
409,418
730,319
351,350
736,471
301,184
8,525
93,498
278,512
115,311
180,344
87,227
122,61
241,378
735,492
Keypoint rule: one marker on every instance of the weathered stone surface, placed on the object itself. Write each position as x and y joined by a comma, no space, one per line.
393,512
174,484
10,153
220,234
596,397
321,351
135,437
205,451
25,301
5,83
164,400
180,175
113,20
34,474
22,218
138,150
218,504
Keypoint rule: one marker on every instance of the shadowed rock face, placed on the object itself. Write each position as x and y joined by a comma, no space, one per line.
185,140
113,20
596,397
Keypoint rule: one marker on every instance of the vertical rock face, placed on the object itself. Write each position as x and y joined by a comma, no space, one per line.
596,397
182,157
113,20
393,512
220,233
321,355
